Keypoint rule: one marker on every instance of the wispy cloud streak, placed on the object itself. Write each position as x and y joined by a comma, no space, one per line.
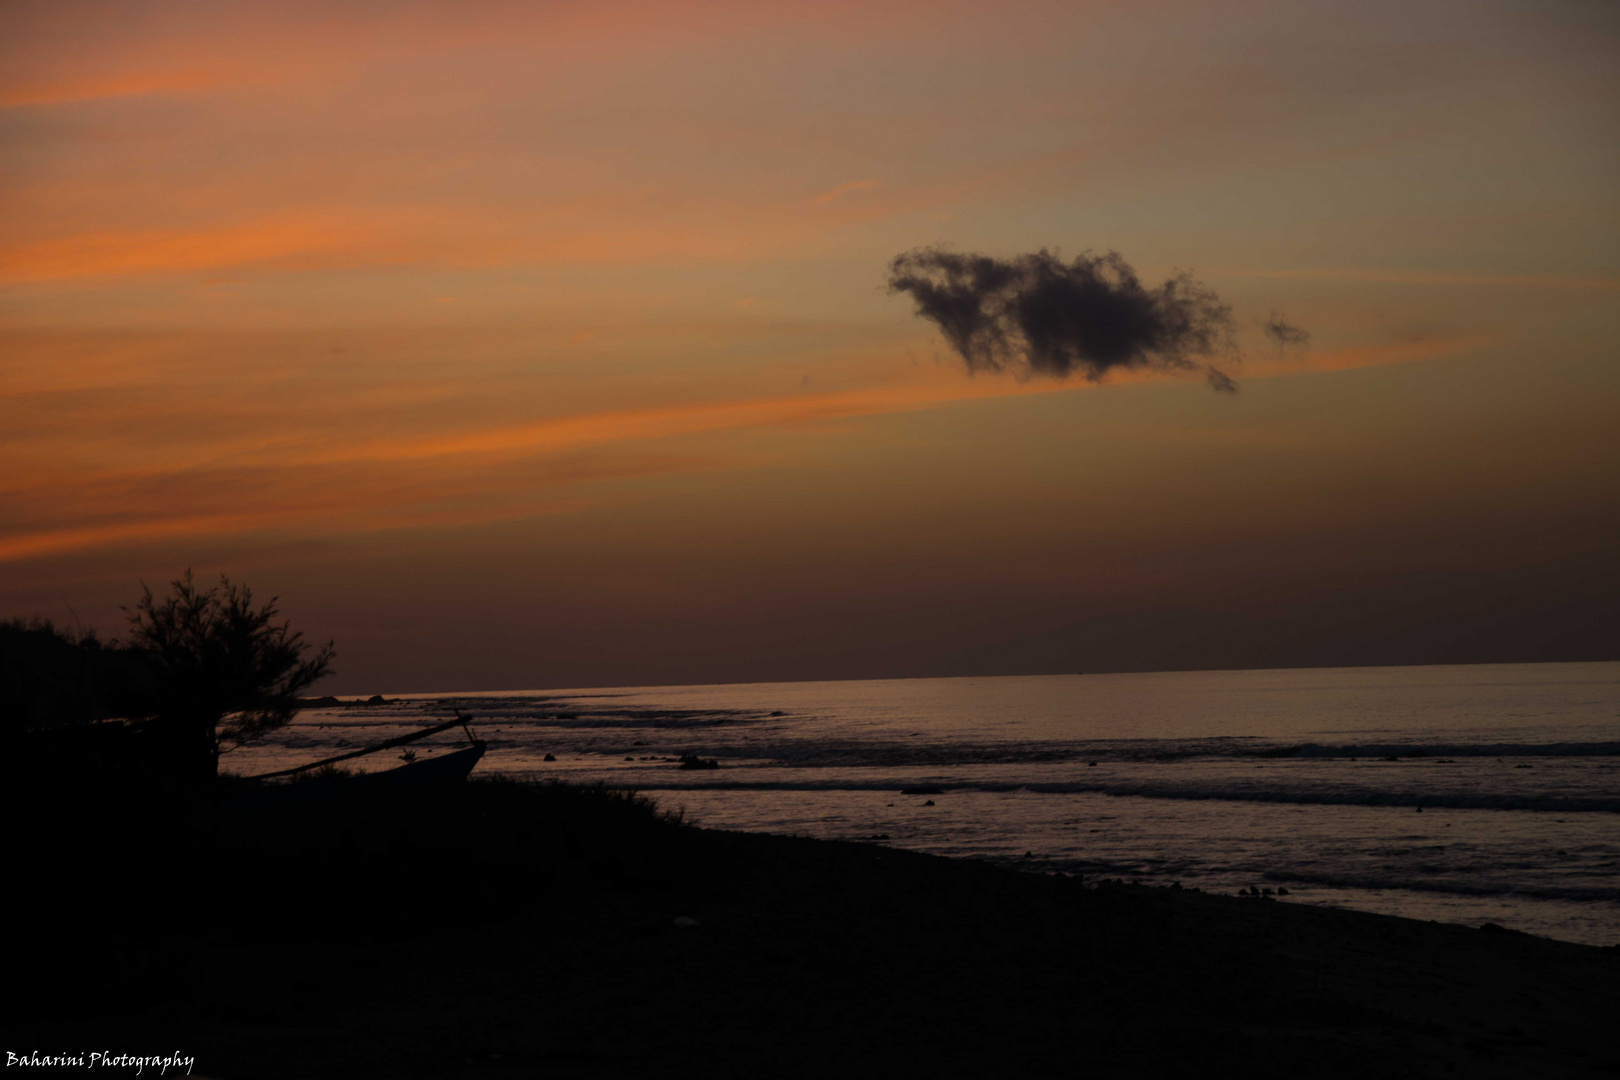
486,474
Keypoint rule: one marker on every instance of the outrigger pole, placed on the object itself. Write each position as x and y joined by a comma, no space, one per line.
390,744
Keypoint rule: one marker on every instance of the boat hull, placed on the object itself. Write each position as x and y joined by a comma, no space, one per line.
443,769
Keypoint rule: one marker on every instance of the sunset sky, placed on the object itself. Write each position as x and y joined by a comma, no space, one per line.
523,345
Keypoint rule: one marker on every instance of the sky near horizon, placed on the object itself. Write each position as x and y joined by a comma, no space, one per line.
521,345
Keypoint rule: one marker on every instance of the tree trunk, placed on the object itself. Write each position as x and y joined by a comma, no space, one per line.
184,749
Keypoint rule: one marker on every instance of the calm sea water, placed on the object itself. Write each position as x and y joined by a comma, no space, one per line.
1460,794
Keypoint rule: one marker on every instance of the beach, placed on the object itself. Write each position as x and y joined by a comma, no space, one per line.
499,929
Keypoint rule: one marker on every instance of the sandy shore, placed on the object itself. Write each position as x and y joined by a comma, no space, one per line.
510,931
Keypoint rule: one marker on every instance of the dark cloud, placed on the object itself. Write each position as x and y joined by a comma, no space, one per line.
1287,336
1038,315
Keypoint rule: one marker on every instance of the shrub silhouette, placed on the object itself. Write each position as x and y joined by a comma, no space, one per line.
225,670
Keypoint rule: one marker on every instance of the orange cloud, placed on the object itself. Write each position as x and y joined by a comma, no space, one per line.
603,229
490,473
53,54
127,85
843,189
56,541
660,422
132,252
299,500
1405,352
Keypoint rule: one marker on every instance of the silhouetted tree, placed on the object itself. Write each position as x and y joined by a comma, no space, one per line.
227,672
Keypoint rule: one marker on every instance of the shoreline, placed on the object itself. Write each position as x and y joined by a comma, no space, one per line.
1231,783
577,932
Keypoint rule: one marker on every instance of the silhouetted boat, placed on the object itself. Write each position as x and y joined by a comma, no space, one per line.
445,768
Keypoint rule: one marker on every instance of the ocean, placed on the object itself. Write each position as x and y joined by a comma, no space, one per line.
1467,794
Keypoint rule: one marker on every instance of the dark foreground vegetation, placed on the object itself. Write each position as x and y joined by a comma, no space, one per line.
203,670
495,929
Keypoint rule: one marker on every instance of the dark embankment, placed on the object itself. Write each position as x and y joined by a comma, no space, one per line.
503,930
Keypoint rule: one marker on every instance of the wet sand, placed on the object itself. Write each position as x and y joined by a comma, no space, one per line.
509,931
